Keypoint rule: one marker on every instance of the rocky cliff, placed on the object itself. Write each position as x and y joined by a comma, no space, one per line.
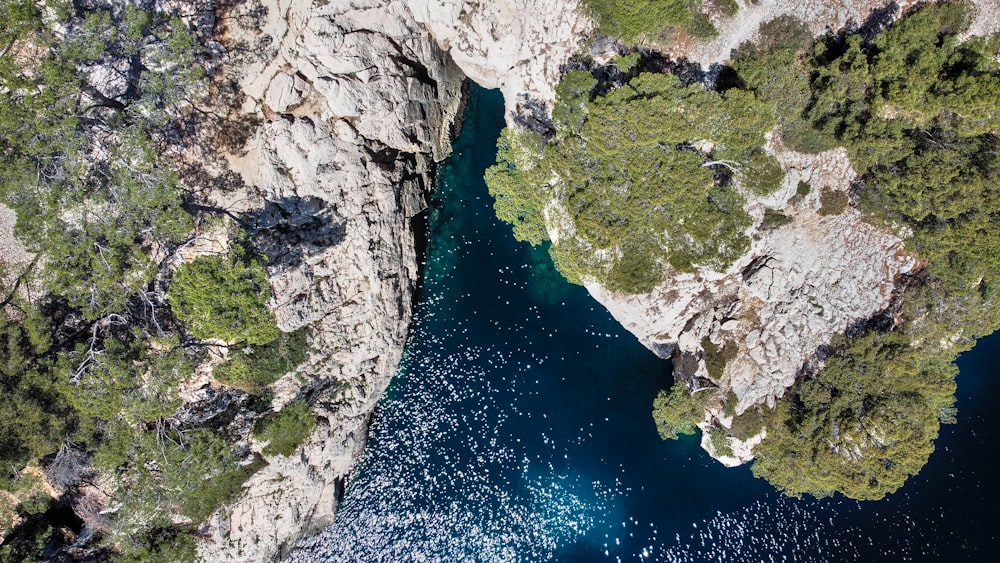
799,283
774,308
355,103
352,103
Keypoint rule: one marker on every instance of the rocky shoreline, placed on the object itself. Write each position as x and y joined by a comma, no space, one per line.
316,126
354,102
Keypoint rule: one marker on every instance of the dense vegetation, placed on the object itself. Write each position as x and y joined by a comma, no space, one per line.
864,424
651,174
630,186
224,297
286,429
678,411
80,158
657,20
254,367
917,110
95,338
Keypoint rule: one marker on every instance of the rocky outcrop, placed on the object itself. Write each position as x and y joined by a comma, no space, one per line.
518,46
823,272
798,285
353,103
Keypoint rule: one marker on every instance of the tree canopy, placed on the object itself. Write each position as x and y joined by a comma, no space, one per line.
916,109
862,425
645,172
224,296
678,411
651,173
94,101
79,156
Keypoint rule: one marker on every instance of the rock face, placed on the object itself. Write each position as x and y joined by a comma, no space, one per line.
800,283
796,286
515,45
355,101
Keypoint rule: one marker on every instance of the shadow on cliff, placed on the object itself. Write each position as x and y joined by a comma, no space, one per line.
290,229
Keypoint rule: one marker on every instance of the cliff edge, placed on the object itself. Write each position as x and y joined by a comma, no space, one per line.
352,104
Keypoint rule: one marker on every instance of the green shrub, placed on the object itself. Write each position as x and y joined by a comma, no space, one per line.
224,297
702,27
679,411
728,8
163,478
287,429
720,442
863,426
762,174
197,473
513,182
802,137
254,367
137,382
627,64
774,219
832,202
747,425
637,270
629,20
573,94
729,406
774,71
783,33
717,357
34,416
162,545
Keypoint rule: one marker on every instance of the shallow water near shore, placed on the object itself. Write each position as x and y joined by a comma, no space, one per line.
519,429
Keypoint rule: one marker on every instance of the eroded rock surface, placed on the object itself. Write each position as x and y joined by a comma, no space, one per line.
355,101
796,286
517,46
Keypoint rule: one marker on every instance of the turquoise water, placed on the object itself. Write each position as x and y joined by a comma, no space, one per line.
519,429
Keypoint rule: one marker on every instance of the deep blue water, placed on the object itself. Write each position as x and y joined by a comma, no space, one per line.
519,429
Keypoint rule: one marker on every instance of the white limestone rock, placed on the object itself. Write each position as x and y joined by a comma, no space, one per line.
356,101
517,46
